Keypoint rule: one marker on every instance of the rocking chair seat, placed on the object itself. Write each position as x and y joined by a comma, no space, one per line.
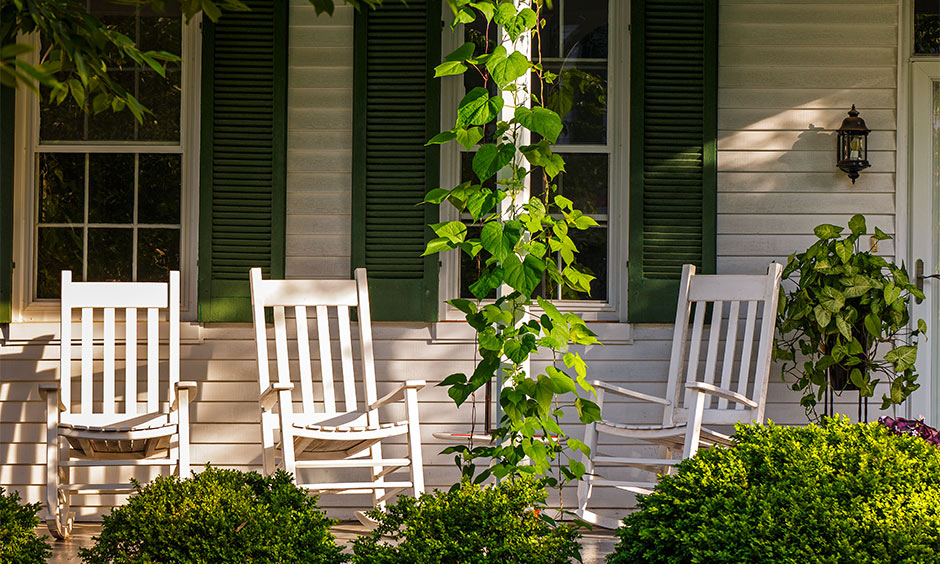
385,429
671,436
319,441
128,442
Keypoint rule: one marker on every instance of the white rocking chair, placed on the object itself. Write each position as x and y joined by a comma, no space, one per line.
315,432
739,396
94,431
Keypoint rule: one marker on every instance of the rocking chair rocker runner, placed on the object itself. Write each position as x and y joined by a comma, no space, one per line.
739,395
316,432
106,428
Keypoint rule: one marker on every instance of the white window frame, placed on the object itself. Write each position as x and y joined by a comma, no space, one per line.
26,307
615,307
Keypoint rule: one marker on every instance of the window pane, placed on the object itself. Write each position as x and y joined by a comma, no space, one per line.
61,188
110,125
110,254
162,97
158,200
62,122
60,248
575,29
161,30
158,252
579,95
592,257
574,46
585,182
926,27
110,188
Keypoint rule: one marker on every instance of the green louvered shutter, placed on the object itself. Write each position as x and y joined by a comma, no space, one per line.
6,203
243,166
673,130
396,110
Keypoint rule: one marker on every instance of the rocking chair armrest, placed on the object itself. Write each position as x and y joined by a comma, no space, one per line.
630,393
713,390
269,396
187,385
399,391
46,388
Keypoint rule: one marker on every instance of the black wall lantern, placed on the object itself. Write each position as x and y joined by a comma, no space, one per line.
852,150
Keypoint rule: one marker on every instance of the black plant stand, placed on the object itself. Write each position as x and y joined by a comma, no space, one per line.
829,408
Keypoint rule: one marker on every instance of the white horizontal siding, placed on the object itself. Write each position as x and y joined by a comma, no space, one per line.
319,142
788,73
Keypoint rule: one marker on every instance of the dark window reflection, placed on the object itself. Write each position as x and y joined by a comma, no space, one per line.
575,29
586,173
926,27
579,96
110,254
60,248
158,252
111,188
159,189
61,187
152,31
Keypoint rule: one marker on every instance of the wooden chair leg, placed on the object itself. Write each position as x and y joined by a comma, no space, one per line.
182,430
694,430
414,441
378,492
268,420
585,486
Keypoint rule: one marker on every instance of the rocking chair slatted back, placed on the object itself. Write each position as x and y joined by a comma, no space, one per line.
723,303
323,298
109,297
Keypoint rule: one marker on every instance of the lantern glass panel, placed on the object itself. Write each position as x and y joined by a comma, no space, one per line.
856,146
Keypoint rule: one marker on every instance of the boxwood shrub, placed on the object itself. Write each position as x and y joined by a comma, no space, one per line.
829,494
469,524
217,516
19,543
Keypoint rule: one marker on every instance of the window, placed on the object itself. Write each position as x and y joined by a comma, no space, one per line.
109,194
576,44
926,27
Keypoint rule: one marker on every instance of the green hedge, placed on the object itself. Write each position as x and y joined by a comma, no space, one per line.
218,516
496,524
833,494
19,543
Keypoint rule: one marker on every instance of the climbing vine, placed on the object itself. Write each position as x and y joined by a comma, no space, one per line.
524,246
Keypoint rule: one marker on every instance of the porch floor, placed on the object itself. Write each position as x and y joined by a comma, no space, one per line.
595,544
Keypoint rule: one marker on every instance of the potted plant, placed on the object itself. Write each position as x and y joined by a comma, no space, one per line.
843,319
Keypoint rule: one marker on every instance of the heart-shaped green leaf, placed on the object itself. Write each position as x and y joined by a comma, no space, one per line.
827,231
506,68
478,108
490,159
539,120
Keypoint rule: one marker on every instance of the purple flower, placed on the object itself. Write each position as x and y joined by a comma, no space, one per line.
911,427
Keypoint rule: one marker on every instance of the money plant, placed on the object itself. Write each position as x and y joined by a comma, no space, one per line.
523,245
845,321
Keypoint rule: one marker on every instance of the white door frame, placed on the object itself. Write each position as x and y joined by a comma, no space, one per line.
924,236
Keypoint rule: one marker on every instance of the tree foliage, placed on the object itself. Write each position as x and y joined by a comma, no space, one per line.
79,52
